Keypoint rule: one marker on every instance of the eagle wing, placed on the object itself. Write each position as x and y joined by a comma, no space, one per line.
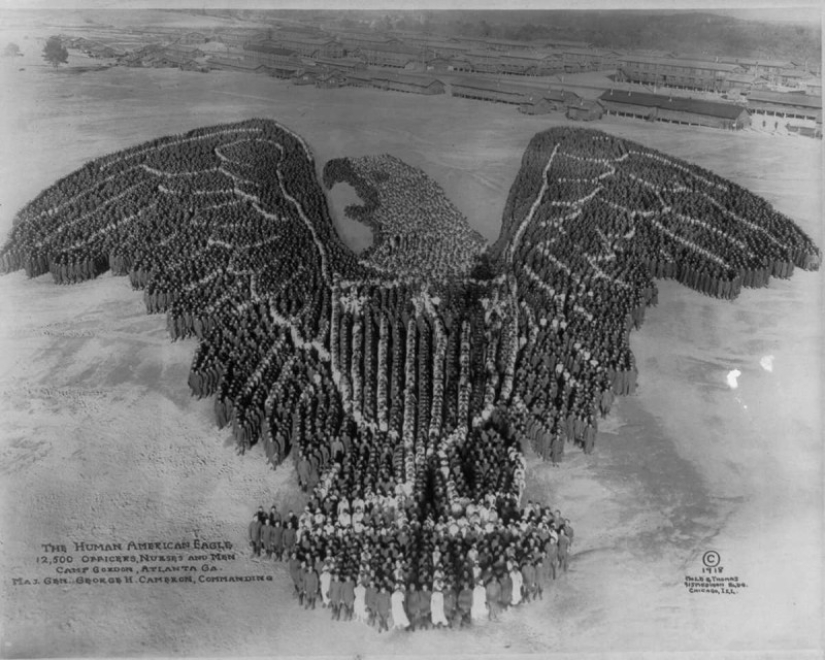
590,222
227,231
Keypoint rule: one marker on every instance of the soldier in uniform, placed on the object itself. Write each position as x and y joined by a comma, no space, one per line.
382,604
255,535
266,538
493,592
564,545
465,605
310,587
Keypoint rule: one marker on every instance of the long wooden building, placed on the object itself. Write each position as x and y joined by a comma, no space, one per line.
397,56
674,109
410,83
526,63
588,59
308,45
491,90
478,61
767,69
561,43
352,40
435,46
346,64
359,79
245,65
786,106
495,44
266,52
193,38
672,72
519,63
240,36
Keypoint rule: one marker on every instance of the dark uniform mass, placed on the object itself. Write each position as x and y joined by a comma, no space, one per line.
406,383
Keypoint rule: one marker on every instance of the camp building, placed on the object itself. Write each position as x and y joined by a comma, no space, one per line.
353,40
584,110
308,45
435,46
588,59
671,72
561,43
244,65
553,100
397,56
193,38
525,63
786,106
268,52
678,110
346,64
241,36
491,90
766,69
359,79
331,79
495,44
407,82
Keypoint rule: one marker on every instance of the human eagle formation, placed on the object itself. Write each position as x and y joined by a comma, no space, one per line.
406,382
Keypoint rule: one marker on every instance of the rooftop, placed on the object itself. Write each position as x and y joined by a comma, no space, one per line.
302,38
559,95
522,55
672,61
359,75
781,98
796,73
241,31
497,42
749,61
600,52
487,54
393,48
437,42
247,65
346,62
172,57
270,47
564,43
407,78
366,36
679,103
495,86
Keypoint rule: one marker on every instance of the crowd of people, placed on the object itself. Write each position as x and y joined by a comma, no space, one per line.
373,563
203,223
407,385
417,231
590,222
673,218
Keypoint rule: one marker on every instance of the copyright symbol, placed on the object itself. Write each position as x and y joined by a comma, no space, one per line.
711,559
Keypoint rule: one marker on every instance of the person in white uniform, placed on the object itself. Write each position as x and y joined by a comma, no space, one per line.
360,607
399,616
479,610
518,583
437,615
326,582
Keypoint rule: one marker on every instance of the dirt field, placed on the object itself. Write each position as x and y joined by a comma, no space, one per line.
101,442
